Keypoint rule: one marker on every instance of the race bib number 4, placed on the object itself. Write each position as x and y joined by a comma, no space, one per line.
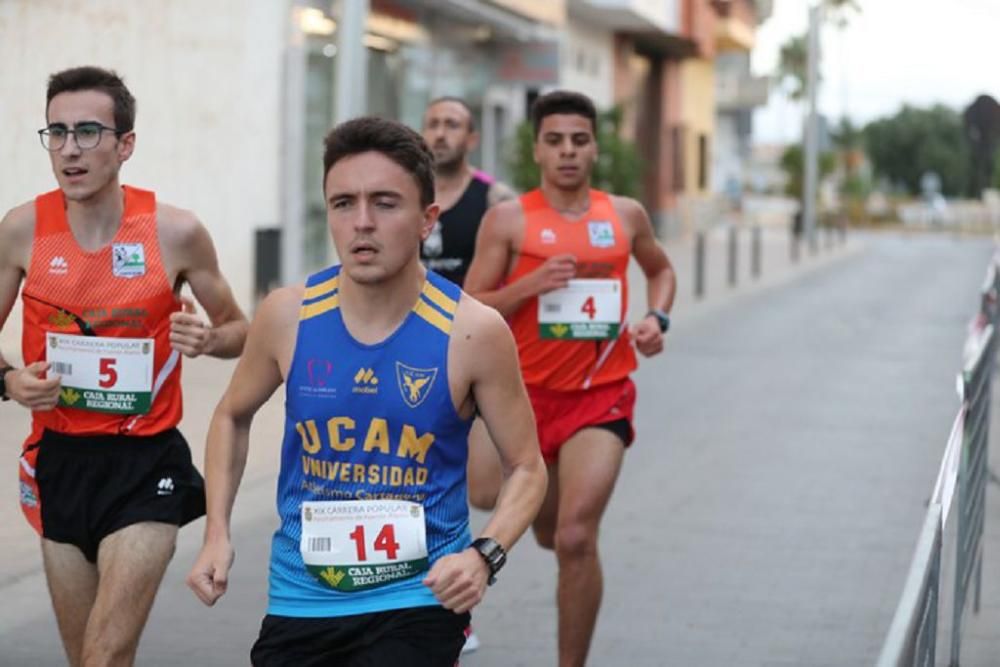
356,545
102,374
587,309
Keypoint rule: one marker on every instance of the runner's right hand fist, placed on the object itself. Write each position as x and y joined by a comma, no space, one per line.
29,387
554,274
209,577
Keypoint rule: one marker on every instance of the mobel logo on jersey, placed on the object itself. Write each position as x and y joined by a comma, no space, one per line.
365,382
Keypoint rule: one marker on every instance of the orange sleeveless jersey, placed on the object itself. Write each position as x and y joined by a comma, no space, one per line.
63,280
571,365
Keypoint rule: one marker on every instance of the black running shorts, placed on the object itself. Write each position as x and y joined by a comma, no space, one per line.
414,637
91,486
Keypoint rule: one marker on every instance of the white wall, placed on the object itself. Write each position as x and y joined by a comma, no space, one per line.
207,78
586,62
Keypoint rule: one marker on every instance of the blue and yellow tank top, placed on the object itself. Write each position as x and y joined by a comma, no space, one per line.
366,422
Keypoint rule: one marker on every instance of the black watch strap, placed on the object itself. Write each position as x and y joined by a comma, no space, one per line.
492,553
661,317
3,382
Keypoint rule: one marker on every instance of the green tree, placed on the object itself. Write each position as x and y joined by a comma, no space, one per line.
792,162
849,140
793,63
618,168
915,141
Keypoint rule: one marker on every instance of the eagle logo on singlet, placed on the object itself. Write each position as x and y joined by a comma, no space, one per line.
414,383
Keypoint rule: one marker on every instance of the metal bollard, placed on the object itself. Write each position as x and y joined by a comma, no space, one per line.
733,247
755,252
699,265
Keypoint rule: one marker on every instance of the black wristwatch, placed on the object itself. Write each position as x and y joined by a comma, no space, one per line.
661,317
492,553
3,382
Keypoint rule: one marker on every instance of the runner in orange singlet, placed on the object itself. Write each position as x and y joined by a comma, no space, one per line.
561,253
105,476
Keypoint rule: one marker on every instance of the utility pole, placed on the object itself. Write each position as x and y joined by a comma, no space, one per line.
811,139
351,88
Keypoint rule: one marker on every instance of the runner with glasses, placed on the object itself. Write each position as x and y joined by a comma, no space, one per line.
106,478
87,135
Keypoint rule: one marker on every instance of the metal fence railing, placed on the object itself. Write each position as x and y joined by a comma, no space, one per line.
972,474
912,636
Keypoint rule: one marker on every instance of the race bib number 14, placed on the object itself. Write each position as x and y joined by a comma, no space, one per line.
355,545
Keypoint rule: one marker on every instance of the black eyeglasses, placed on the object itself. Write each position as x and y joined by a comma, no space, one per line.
81,323
87,135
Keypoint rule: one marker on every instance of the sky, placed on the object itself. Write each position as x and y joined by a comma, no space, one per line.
918,52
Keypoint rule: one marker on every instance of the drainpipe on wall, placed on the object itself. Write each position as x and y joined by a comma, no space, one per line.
293,149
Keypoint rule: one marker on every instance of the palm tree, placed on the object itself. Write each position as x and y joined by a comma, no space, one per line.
793,59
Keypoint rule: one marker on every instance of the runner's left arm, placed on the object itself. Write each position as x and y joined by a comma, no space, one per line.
661,280
488,353
191,245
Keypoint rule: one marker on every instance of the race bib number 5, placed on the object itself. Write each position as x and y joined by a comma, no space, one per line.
357,545
587,309
102,374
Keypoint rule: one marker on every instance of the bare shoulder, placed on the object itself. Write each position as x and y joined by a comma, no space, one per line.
179,228
633,215
629,209
508,208
17,230
500,192
504,217
280,307
479,330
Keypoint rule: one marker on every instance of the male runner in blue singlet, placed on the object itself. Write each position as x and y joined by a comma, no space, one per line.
384,365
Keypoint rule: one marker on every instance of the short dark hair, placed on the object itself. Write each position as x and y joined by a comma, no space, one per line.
563,102
95,78
456,100
392,139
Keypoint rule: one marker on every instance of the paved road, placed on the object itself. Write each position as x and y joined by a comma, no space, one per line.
766,516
